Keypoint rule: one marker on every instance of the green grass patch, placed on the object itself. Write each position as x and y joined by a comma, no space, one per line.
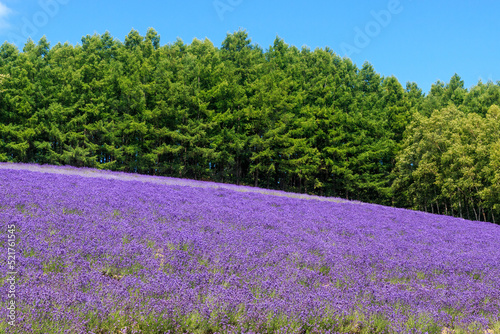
67,211
55,265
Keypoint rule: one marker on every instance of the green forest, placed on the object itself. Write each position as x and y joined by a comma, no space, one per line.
297,120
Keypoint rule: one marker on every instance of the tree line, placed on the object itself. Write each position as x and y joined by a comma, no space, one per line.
281,118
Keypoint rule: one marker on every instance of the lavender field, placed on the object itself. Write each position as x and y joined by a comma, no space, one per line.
103,252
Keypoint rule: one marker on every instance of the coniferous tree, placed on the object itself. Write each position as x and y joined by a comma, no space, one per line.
284,118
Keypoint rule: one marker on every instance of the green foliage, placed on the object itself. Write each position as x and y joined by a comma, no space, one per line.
284,118
449,164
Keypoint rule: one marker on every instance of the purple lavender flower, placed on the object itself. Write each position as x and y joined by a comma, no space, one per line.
103,252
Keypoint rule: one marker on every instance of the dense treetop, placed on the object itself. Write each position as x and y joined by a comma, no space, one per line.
283,118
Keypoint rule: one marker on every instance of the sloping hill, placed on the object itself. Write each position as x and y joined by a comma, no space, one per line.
104,255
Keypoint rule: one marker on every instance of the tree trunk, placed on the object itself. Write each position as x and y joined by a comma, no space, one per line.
237,170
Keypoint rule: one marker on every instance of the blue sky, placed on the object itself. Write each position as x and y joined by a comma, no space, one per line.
415,40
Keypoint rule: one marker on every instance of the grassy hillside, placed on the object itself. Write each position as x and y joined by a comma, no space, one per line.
107,252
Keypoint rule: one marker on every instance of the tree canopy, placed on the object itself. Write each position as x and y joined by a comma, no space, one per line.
283,118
